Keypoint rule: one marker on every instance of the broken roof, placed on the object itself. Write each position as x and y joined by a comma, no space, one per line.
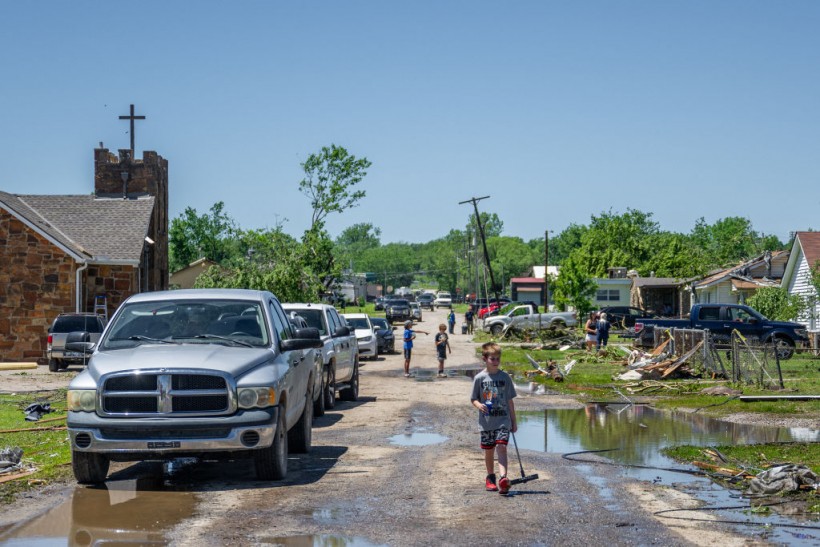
742,271
89,228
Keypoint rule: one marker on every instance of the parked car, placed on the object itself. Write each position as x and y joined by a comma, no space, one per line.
443,300
427,300
340,353
415,311
397,309
89,323
385,338
493,307
204,373
379,304
624,317
722,319
365,337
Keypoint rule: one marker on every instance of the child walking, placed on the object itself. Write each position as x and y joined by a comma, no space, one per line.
409,336
442,347
493,394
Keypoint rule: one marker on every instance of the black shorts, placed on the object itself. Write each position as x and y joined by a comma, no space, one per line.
407,352
489,439
442,354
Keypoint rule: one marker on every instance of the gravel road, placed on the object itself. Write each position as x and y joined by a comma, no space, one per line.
357,484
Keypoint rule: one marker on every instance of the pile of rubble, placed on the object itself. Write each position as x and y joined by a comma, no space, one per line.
660,363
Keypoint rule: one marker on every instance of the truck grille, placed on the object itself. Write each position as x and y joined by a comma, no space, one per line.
164,393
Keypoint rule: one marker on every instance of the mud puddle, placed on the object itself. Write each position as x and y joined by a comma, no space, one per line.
323,540
138,511
633,435
417,439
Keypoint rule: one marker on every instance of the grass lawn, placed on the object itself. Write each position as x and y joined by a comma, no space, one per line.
44,443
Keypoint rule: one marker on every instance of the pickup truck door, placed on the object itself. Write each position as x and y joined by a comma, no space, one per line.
709,317
342,346
743,321
298,367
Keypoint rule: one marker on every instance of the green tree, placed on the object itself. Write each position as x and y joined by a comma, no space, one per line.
353,241
330,178
574,287
510,257
776,303
193,236
731,240
561,245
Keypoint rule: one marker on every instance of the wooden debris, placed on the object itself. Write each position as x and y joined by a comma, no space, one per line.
15,476
727,471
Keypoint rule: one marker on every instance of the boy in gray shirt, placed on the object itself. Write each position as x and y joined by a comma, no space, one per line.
493,393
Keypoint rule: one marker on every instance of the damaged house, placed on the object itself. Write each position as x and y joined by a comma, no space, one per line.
734,285
804,258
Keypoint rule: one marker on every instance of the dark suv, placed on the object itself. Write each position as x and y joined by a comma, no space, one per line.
426,300
397,309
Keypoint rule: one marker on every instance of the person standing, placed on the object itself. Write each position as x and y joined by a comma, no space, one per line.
602,331
493,394
442,347
591,331
451,320
409,336
468,318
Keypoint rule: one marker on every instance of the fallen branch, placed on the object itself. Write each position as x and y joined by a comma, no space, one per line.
24,429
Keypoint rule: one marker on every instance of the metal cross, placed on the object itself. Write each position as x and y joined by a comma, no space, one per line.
132,118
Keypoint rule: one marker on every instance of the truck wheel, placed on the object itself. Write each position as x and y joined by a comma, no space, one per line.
496,329
88,467
272,462
53,365
784,348
351,392
330,391
299,438
319,402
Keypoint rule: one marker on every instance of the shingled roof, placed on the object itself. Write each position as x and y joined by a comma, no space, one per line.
97,229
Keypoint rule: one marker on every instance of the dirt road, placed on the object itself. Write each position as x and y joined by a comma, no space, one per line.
357,484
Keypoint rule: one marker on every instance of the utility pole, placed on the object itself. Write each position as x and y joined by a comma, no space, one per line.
546,271
475,201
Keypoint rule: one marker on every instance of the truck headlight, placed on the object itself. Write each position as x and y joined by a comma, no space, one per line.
256,397
81,400
802,333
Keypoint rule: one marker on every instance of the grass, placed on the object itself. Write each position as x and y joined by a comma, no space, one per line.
46,451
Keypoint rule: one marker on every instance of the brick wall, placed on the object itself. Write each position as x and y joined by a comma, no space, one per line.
37,282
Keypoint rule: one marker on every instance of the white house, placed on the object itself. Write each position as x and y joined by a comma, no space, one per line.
734,285
804,257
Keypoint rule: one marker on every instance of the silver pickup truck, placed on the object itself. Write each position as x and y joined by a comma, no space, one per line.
63,325
216,373
524,317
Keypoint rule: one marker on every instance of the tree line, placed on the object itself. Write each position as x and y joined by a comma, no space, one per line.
307,267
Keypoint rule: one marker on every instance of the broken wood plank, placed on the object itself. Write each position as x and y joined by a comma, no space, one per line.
682,360
15,476
658,350
24,429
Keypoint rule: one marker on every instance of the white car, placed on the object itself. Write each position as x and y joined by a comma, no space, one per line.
443,300
415,311
365,335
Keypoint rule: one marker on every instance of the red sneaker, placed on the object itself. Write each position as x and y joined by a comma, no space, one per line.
503,485
490,483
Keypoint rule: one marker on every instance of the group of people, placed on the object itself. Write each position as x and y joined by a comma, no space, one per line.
442,346
596,331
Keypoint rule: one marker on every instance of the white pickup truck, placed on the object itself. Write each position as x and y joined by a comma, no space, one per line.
525,317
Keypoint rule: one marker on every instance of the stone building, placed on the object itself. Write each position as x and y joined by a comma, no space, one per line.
66,253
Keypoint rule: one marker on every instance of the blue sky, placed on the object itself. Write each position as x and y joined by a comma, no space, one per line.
557,110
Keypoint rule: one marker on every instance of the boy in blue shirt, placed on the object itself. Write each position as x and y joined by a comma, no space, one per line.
409,336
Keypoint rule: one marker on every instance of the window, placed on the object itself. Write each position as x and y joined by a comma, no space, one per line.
280,322
709,314
608,295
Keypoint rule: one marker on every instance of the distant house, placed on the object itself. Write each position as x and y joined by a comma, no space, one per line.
532,288
613,290
186,277
656,294
734,285
805,254
64,253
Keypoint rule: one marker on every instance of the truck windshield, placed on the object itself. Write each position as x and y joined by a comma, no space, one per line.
188,321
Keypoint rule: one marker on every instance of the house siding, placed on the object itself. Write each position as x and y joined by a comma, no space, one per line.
801,285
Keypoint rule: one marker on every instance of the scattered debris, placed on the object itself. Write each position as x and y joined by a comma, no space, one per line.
35,411
782,479
721,391
11,459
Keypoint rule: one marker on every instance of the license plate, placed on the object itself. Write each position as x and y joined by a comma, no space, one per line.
164,444
73,354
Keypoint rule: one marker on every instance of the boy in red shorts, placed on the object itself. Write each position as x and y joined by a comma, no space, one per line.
493,394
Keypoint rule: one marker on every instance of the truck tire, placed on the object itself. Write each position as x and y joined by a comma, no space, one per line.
88,467
319,402
784,347
53,365
496,329
330,391
351,392
272,462
300,436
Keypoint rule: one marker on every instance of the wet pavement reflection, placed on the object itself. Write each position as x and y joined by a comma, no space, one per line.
633,435
138,511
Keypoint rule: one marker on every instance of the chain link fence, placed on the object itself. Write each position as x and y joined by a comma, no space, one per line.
735,358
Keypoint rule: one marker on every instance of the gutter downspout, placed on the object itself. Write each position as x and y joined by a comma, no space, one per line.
79,286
